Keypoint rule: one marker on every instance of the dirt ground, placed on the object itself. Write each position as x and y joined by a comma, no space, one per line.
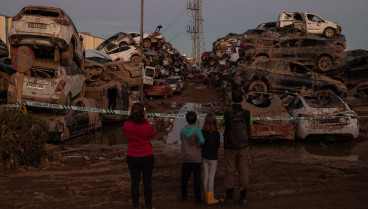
285,175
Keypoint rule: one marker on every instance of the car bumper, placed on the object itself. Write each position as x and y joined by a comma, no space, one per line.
39,41
307,128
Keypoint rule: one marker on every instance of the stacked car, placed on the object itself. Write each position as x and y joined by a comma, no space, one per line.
299,54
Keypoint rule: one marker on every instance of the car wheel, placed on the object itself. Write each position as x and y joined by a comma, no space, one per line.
146,43
4,82
67,56
258,85
135,59
329,33
123,44
324,63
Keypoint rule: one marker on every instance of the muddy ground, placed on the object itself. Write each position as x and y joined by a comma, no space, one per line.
310,174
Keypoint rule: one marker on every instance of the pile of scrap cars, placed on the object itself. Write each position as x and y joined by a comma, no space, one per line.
297,67
64,73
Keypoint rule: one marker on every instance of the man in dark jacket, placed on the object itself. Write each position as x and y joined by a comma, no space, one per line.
236,159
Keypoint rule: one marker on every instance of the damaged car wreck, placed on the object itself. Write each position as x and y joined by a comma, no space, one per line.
324,103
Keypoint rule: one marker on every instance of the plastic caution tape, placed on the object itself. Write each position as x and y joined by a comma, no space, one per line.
163,115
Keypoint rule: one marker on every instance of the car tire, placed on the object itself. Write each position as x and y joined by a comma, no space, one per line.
146,43
135,59
324,63
67,56
4,82
258,86
329,33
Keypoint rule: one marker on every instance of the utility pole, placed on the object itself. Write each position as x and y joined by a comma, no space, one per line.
141,64
195,30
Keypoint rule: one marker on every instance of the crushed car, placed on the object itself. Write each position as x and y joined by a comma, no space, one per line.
354,68
75,123
344,125
48,31
276,75
262,104
125,53
48,82
118,40
310,51
125,72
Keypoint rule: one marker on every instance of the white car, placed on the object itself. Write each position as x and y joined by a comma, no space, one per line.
49,83
234,56
309,22
137,37
125,53
48,30
97,56
180,80
324,103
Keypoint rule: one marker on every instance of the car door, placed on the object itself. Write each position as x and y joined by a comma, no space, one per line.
308,50
288,49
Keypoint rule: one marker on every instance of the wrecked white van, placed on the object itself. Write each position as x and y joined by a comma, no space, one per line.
309,22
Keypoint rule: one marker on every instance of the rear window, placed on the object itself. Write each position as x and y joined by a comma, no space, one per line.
41,13
324,101
40,72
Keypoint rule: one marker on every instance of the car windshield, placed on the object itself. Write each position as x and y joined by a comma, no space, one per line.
41,72
324,100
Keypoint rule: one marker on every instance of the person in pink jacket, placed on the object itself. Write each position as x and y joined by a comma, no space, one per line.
140,157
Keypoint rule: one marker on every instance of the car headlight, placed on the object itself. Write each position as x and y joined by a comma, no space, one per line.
114,68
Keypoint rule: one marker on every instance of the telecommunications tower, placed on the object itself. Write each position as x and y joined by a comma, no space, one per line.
195,30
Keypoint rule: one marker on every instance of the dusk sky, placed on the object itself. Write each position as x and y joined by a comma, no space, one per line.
105,18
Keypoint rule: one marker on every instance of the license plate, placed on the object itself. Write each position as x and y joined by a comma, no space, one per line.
34,85
37,25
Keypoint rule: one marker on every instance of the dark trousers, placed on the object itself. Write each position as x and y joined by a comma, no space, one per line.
186,171
141,166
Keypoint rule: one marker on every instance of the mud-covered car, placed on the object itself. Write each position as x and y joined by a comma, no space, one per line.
75,123
278,75
128,73
262,104
357,100
47,30
48,82
160,87
154,39
354,68
118,40
324,103
4,52
111,95
97,56
317,52
6,71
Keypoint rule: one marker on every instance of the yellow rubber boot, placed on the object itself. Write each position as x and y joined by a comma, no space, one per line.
211,198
